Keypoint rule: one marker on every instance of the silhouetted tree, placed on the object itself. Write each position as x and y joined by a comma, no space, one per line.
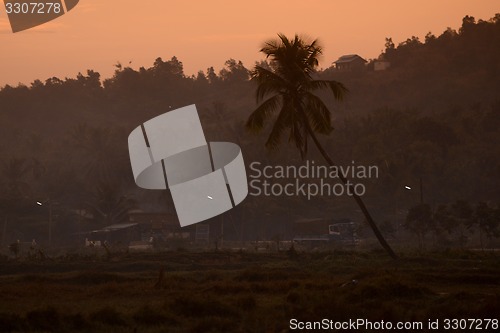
462,213
420,222
486,221
301,113
109,205
234,72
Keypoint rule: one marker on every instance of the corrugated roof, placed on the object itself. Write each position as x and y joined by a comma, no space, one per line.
348,58
119,226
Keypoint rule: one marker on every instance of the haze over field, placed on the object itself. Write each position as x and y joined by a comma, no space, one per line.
373,184
433,115
98,34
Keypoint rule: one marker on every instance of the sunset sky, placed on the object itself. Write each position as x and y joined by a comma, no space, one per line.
99,33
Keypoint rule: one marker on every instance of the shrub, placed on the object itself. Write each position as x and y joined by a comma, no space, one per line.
196,306
246,303
77,321
47,319
108,316
213,324
11,322
150,317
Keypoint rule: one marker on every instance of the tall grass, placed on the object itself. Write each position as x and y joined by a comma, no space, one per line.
248,293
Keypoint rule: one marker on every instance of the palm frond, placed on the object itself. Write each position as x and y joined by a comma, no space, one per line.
314,51
298,136
270,47
255,122
282,123
293,61
268,82
338,89
317,113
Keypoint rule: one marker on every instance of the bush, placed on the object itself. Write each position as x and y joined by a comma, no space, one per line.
246,303
108,316
213,324
77,322
196,306
11,322
44,320
150,317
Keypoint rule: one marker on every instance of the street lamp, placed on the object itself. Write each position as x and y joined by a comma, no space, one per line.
421,191
49,203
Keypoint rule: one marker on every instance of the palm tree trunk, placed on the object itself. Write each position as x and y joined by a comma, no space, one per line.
356,197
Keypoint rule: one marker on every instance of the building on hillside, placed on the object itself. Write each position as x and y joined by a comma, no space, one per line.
350,62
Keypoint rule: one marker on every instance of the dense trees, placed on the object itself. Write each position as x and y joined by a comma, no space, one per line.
462,50
454,224
434,115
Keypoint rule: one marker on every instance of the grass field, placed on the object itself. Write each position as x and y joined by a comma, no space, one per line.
242,292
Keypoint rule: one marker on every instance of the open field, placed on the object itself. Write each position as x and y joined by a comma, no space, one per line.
242,292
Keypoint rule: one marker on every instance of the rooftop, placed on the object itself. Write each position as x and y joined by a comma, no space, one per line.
348,58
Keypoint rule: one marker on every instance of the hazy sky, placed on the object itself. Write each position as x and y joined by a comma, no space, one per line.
99,33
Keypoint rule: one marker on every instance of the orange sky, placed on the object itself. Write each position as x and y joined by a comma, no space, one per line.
99,33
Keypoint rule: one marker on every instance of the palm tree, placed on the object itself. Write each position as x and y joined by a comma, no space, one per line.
109,205
289,80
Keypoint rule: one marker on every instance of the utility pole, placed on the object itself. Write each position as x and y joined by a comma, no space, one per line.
49,203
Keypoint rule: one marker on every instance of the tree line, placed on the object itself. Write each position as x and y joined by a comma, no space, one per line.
430,116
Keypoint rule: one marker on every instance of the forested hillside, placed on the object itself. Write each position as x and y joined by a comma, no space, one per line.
433,115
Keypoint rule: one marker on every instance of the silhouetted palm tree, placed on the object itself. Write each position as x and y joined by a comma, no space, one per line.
109,205
289,80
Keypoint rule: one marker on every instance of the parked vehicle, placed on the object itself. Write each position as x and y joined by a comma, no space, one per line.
325,231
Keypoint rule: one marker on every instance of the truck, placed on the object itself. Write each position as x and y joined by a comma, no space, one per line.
321,231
